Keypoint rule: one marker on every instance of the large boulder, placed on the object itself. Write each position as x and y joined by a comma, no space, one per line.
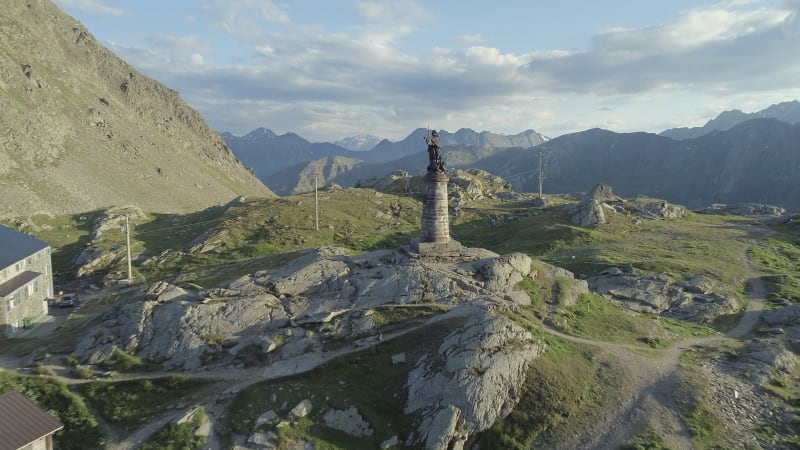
503,273
473,379
686,300
181,332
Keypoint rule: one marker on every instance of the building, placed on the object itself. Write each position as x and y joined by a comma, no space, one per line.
26,280
24,425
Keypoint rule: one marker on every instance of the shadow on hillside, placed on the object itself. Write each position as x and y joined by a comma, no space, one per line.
537,235
62,256
176,231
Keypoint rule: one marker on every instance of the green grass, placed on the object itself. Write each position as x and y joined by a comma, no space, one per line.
596,317
561,386
648,439
122,361
178,437
367,379
81,429
129,404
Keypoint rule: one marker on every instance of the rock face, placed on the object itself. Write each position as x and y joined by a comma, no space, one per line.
260,315
590,210
692,299
83,130
746,209
473,379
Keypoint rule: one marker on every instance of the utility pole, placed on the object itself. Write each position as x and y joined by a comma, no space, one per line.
541,175
128,240
316,204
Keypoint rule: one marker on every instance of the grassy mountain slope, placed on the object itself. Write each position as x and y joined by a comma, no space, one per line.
83,130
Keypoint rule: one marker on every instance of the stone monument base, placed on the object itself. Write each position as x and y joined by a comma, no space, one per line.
449,251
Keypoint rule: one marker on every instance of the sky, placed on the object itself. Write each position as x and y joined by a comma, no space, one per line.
329,69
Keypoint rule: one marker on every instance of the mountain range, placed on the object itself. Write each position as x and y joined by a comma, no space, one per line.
274,159
738,157
83,130
788,112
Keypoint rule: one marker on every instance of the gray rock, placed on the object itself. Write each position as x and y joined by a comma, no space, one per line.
503,273
658,294
390,443
302,409
266,417
746,209
442,429
477,371
786,316
349,421
399,358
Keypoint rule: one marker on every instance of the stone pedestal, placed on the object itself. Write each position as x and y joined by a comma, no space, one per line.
435,216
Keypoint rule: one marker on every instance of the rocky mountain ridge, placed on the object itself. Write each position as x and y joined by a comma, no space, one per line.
279,161
788,112
84,130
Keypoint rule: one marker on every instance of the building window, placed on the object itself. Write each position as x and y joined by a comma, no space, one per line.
10,304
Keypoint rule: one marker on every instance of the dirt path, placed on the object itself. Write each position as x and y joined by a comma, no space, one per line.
647,393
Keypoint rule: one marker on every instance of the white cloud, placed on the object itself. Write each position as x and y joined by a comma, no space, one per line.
704,49
327,85
91,7
245,19
397,12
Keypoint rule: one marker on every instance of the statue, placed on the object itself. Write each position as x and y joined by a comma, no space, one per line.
435,163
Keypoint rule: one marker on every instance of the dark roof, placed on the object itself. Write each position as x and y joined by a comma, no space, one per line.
17,282
22,421
17,246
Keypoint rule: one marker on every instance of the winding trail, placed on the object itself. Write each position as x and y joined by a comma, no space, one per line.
648,394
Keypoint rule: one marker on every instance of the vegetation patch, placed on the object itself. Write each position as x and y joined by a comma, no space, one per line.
129,404
649,439
122,361
178,436
368,380
561,385
596,317
81,429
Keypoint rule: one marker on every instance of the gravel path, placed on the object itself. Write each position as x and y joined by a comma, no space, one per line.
646,395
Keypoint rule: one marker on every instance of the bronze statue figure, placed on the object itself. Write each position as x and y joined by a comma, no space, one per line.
435,163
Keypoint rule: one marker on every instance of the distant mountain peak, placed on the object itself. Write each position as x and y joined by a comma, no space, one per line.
260,133
360,143
788,112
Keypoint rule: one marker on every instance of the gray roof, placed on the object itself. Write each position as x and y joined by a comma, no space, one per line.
17,282
22,421
15,246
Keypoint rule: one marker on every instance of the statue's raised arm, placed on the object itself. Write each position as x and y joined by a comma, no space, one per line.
435,163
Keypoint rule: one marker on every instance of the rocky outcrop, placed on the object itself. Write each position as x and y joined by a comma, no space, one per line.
94,258
745,209
691,299
260,315
589,211
170,325
473,379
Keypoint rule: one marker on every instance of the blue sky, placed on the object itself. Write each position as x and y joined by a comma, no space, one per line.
328,69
